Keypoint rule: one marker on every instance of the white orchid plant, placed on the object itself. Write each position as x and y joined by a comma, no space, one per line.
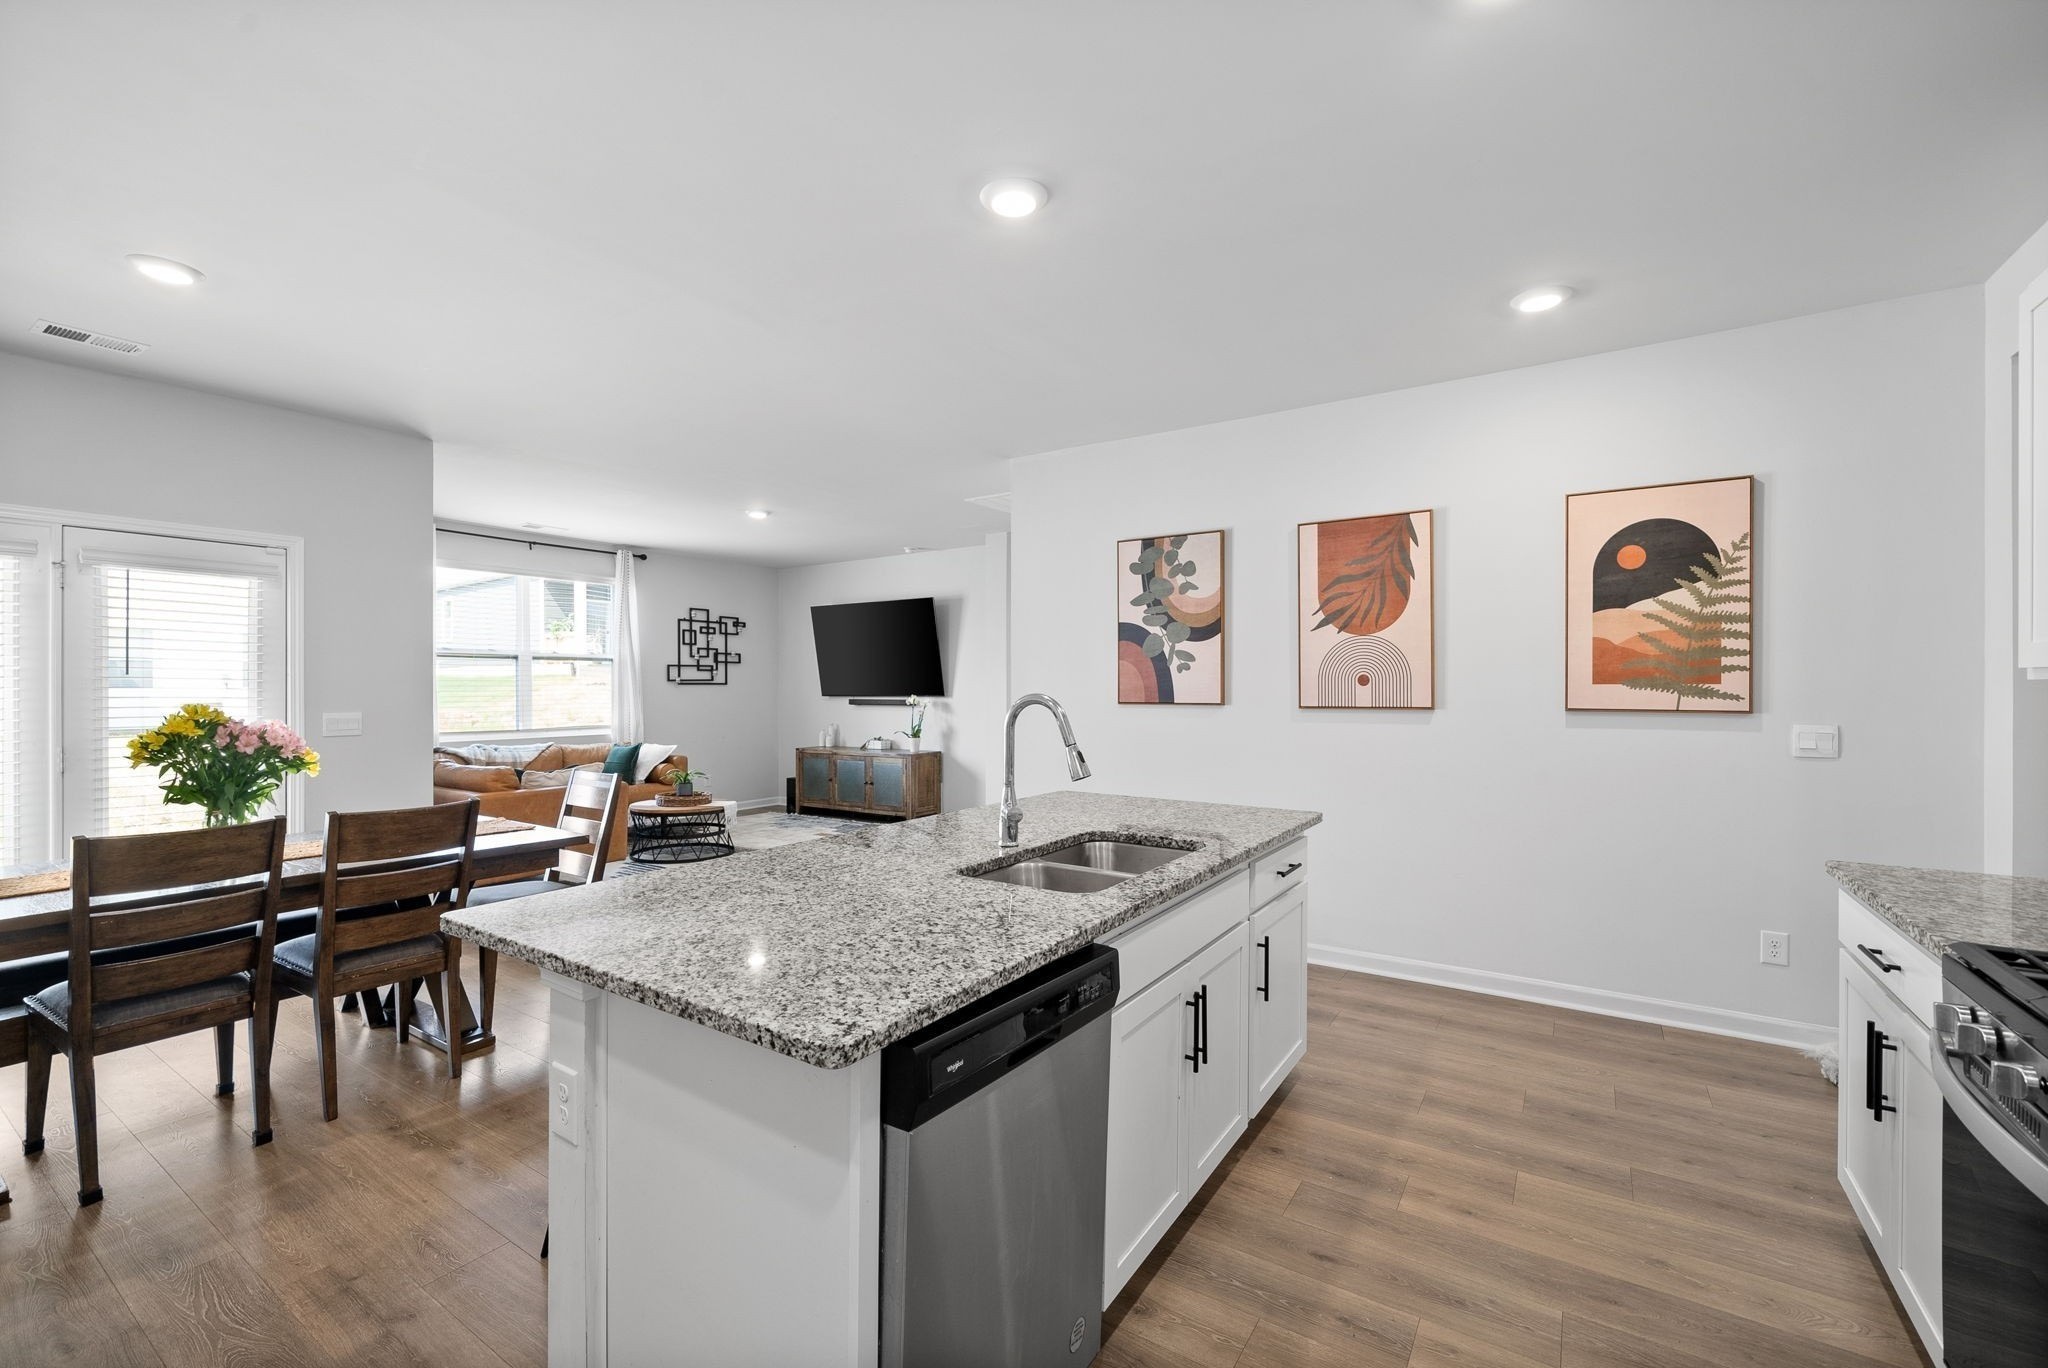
917,709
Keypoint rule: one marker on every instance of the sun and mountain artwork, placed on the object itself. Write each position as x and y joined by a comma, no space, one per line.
1367,606
1169,629
1658,586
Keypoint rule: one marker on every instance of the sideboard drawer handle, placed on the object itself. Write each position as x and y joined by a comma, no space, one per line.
1281,874
1877,958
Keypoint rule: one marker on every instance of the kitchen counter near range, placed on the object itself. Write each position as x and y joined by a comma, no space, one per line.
829,950
1938,907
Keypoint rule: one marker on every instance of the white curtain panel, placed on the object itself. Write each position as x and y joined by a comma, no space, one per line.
628,723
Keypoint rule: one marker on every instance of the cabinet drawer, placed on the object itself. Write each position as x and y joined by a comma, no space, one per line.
1274,874
1154,946
1869,938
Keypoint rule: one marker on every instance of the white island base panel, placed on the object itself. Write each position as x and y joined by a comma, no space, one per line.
709,1201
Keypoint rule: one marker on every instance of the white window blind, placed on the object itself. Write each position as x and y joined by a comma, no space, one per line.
23,800
151,624
520,652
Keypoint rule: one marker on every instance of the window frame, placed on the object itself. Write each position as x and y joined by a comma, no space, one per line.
523,655
53,521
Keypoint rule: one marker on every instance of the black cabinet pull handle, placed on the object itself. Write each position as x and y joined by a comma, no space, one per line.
1875,1045
1289,870
1194,1055
1266,950
1877,958
1203,1047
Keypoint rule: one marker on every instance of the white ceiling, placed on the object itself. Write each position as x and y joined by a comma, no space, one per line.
635,267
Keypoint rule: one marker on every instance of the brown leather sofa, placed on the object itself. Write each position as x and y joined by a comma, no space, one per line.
525,783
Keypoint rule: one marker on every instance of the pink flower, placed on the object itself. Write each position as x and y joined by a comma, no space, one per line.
249,740
222,735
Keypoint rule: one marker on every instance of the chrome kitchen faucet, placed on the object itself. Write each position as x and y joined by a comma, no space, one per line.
1077,764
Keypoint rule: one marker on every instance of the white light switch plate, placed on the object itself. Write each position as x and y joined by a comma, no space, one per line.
341,724
565,1102
1815,741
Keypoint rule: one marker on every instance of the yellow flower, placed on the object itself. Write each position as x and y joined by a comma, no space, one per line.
312,759
203,712
178,724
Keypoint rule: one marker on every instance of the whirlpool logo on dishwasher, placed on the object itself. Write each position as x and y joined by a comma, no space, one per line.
956,1066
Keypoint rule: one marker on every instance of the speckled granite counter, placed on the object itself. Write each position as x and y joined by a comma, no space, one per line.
1939,906
829,950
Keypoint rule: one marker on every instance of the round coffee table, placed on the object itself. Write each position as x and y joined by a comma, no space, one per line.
661,833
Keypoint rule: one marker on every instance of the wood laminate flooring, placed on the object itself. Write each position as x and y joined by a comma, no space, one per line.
1447,1180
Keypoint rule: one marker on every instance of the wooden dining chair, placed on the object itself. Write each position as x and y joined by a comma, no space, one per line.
390,875
171,933
590,806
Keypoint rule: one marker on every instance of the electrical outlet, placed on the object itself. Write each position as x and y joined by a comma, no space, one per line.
1774,947
565,1102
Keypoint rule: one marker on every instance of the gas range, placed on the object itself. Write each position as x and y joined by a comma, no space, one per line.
1992,1031
1990,1051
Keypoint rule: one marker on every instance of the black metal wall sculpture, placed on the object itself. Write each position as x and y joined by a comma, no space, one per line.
702,642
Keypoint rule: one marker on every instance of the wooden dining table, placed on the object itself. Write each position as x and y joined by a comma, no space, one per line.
33,924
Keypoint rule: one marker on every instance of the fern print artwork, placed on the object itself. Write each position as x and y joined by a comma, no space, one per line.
1367,632
1170,619
1660,584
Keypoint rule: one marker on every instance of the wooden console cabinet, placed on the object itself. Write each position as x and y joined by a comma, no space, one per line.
880,783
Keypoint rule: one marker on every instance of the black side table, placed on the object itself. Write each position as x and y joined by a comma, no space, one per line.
658,833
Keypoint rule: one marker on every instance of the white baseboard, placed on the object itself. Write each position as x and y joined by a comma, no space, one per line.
756,804
1603,1001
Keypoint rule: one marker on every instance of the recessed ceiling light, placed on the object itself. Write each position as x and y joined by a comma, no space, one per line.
1541,299
757,513
165,271
1014,199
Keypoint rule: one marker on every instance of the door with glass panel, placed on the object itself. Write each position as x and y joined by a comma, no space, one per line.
151,623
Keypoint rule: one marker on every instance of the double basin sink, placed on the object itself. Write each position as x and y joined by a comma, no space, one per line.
1083,867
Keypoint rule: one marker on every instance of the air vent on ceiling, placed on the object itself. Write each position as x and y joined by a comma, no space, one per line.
995,503
86,338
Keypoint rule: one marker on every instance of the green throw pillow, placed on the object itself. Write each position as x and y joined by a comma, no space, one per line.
623,760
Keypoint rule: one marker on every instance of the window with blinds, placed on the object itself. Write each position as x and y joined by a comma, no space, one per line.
102,634
24,723
150,624
521,653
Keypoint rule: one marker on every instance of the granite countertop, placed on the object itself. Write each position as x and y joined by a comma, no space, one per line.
830,949
1937,907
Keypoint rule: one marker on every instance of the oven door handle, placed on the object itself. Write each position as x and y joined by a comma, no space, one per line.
2012,1156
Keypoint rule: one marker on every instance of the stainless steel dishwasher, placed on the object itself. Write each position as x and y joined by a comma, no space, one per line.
995,1131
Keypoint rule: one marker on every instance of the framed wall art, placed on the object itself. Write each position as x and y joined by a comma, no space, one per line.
1169,627
1366,612
1659,588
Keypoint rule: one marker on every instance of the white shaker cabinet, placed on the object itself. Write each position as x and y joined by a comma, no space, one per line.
1278,1004
1213,1016
1888,1117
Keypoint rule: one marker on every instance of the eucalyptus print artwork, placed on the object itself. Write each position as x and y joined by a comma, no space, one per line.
1169,636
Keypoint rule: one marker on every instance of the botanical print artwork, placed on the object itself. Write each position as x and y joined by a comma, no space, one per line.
1169,630
1658,585
1367,608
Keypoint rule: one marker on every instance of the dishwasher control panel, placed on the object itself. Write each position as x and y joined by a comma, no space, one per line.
922,1074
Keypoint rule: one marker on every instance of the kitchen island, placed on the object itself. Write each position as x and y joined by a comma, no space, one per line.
715,1036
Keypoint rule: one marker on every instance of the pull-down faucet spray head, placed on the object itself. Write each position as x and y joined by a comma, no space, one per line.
1011,818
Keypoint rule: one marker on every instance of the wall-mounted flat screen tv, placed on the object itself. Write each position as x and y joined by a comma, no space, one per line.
886,649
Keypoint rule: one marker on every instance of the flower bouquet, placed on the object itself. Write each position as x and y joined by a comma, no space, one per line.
228,767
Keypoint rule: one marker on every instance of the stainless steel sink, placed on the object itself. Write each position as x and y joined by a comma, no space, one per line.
1084,867
1061,878
1127,858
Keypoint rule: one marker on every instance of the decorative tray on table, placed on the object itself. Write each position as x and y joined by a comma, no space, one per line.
684,800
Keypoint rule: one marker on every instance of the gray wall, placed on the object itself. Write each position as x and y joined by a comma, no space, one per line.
967,586
1635,855
84,441
726,730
